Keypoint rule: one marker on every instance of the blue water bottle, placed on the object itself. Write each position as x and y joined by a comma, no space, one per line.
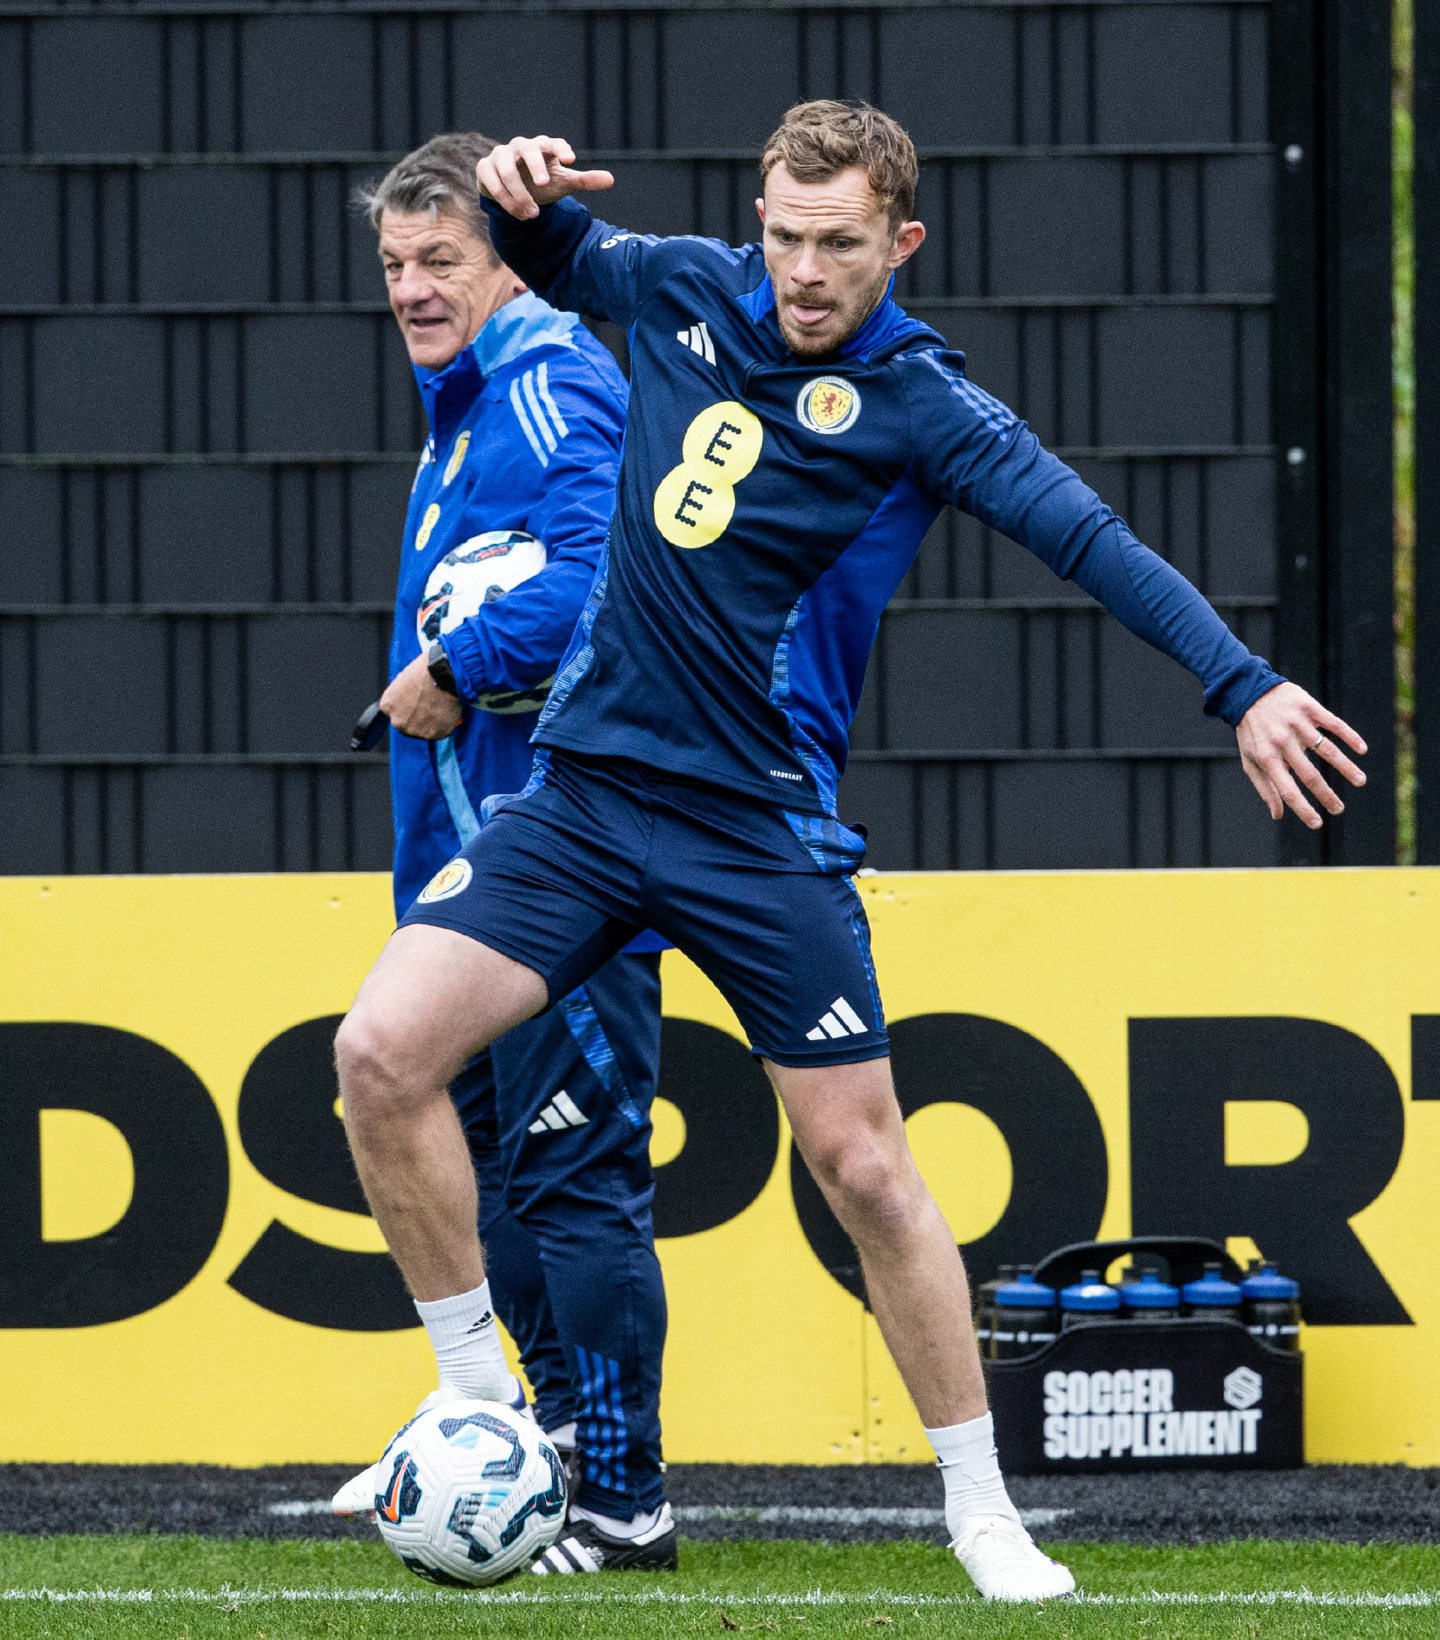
1089,1299
1271,1305
1149,1297
1023,1319
985,1307
1212,1297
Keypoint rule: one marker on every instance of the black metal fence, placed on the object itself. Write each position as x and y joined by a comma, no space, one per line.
1427,433
1150,226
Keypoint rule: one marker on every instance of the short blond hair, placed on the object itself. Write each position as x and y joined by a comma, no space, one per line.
817,140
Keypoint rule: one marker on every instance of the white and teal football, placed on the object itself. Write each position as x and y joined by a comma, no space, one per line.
476,573
469,1492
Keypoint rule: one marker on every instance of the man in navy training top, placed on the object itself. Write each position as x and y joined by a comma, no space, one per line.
792,434
526,413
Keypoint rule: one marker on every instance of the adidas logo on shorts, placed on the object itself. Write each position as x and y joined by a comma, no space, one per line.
562,1112
840,1020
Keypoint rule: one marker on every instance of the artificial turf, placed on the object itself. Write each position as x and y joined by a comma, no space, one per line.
171,1586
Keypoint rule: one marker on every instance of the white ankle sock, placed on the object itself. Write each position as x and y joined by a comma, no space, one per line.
466,1342
626,1529
971,1472
563,1435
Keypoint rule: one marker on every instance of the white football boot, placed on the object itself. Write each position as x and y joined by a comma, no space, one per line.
1005,1563
357,1496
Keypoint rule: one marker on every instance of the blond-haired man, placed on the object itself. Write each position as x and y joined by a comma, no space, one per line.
792,434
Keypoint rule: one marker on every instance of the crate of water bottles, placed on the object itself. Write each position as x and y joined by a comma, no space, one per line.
1155,1352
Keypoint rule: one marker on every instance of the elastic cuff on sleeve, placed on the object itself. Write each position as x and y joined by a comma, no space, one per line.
462,657
1239,692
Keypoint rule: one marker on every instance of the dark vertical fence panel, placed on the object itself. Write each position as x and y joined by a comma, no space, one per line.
1358,520
1298,168
1427,433
207,420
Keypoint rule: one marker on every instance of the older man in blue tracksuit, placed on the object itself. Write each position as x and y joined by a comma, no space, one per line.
526,413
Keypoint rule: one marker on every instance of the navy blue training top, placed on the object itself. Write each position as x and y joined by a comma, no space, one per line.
769,505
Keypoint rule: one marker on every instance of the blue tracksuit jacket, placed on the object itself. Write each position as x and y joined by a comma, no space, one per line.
525,433
769,506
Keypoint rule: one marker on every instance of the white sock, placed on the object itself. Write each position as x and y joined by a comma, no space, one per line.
626,1529
971,1472
466,1342
563,1435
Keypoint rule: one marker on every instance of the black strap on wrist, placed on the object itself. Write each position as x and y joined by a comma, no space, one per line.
438,663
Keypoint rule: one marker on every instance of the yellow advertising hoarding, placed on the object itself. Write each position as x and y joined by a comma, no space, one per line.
1249,1055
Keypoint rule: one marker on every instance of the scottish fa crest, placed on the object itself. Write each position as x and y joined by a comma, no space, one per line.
449,881
827,405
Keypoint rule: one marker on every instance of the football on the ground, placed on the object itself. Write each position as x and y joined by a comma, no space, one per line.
476,573
469,1492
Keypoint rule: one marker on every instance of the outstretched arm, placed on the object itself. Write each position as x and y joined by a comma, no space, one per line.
975,452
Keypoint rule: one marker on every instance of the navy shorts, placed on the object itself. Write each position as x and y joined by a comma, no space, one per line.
565,874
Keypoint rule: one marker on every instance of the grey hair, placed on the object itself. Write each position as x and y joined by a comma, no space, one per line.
438,176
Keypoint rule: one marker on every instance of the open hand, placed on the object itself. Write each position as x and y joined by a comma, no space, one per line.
417,706
1284,738
527,172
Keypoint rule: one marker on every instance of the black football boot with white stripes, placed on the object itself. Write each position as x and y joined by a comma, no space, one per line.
583,1547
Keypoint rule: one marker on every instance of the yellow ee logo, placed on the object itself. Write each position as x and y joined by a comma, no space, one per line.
427,524
696,500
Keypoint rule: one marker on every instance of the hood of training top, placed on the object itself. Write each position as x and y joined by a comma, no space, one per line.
770,504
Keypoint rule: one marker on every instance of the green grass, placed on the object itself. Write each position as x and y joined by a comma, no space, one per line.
205,1587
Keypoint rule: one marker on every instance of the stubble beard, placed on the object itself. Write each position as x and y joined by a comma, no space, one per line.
805,345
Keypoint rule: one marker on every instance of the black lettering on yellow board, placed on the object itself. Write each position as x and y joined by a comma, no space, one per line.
730,1111
182,1175
294,1138
1059,1164
1425,1056
1183,1073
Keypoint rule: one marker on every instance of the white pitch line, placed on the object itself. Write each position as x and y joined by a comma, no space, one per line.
763,1514
234,1598
817,1515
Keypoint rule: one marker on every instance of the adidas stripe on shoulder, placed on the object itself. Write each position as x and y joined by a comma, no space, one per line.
997,416
537,412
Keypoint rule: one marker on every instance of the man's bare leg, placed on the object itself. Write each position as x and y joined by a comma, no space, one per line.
848,1126
847,1123
430,1003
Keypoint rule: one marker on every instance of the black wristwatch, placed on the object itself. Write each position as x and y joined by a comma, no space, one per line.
438,663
